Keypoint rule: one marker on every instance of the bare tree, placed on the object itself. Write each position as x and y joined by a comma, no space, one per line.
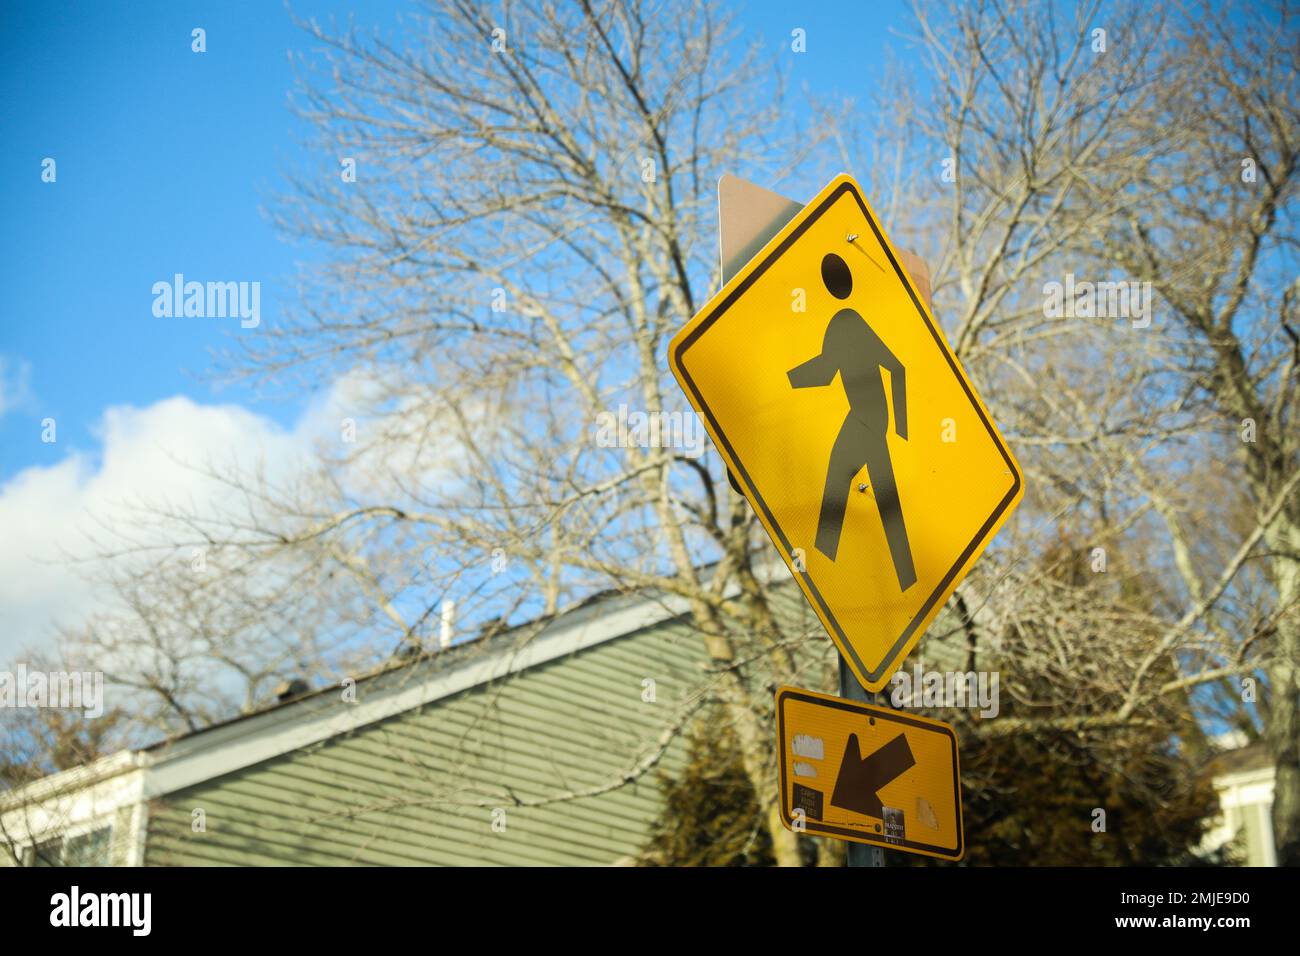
1213,229
1104,144
531,216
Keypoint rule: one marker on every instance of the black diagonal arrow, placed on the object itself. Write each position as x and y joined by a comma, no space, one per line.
858,779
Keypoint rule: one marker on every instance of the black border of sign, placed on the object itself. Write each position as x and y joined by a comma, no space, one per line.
882,713
680,354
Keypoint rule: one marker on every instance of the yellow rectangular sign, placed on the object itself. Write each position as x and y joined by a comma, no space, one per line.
868,774
850,426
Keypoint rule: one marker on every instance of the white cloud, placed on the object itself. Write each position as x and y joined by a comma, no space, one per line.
147,457
152,456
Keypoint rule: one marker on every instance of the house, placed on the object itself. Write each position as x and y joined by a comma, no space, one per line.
540,745
544,744
1243,777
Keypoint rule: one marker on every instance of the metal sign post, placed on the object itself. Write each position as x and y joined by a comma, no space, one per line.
859,854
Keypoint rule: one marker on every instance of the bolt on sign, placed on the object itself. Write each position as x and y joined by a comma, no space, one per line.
868,774
850,426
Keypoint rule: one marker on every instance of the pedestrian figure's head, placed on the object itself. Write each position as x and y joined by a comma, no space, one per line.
836,276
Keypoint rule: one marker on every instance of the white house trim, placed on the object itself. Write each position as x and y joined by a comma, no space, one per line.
139,833
253,740
106,787
1248,792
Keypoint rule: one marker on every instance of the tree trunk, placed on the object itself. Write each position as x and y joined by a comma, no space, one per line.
758,759
756,752
1282,729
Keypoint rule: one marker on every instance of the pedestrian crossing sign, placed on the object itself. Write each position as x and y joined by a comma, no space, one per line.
850,426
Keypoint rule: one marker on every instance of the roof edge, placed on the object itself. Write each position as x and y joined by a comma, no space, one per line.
176,764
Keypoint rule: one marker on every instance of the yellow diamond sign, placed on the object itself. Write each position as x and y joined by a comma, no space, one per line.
850,426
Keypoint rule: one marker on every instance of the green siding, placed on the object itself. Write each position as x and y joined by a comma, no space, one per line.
420,787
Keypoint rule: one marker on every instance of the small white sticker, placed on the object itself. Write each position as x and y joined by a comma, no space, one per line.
805,770
926,813
810,747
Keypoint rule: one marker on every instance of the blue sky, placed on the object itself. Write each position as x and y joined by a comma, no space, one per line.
165,160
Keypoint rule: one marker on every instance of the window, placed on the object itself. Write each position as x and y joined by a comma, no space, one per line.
85,849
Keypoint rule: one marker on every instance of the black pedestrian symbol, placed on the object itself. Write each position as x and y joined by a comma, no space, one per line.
859,781
852,349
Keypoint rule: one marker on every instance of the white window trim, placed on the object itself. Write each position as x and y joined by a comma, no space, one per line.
76,812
